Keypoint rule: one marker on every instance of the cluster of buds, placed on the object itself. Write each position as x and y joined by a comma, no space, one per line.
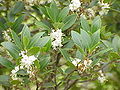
82,66
56,38
101,78
25,64
75,5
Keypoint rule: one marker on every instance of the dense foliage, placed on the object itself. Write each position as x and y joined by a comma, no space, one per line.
59,44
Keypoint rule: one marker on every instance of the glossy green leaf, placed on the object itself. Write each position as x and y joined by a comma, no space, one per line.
69,21
84,24
6,63
96,25
35,39
16,40
12,48
63,13
42,41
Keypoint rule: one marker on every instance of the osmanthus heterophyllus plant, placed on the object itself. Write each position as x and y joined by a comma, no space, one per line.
38,59
25,52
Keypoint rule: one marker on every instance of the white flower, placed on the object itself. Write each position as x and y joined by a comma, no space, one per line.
75,4
76,61
101,79
57,38
104,8
27,61
6,36
13,73
90,12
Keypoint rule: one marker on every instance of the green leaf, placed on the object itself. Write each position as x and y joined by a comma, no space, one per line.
19,6
4,80
6,63
13,50
86,39
44,62
64,12
95,38
35,39
37,63
69,21
84,24
25,32
65,54
76,37
16,40
17,23
42,41
116,43
33,50
95,62
42,25
55,11
101,52
25,42
96,25
93,3
25,36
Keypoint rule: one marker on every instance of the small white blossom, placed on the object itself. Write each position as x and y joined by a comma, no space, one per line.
57,38
101,78
13,73
6,36
90,12
75,4
76,61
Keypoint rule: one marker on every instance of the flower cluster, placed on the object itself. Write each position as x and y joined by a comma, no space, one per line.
101,78
56,38
75,4
82,66
104,8
6,35
25,64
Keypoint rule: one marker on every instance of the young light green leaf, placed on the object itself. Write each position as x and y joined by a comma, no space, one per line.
12,49
33,50
6,63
